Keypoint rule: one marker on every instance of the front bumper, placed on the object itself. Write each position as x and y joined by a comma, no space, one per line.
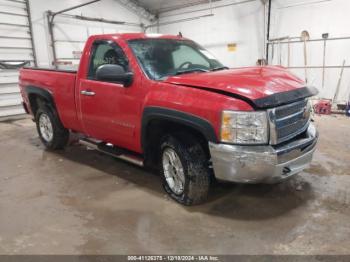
263,164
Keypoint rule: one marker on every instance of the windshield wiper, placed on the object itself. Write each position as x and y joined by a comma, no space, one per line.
190,71
219,68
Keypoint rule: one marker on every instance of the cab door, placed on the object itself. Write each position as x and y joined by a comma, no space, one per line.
105,108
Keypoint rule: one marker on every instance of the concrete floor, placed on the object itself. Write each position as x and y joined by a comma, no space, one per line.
79,201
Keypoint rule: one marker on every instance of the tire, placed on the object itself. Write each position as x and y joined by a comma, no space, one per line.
195,178
54,136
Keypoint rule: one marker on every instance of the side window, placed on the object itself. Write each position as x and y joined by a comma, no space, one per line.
106,53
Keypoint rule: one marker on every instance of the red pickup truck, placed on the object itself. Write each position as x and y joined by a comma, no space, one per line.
165,102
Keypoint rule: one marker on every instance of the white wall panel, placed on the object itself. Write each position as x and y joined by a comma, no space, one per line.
12,7
10,99
290,18
72,29
15,44
242,24
18,43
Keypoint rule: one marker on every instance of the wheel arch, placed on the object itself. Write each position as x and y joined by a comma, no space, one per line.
158,121
37,95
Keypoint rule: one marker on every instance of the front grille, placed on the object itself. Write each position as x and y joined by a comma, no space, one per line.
289,121
290,109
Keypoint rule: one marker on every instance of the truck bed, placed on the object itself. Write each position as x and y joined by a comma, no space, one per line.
62,69
60,84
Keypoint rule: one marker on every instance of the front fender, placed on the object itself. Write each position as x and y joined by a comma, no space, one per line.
159,113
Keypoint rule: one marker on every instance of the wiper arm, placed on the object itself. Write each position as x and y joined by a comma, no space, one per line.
190,71
219,68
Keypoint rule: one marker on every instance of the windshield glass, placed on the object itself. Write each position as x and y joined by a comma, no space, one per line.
160,58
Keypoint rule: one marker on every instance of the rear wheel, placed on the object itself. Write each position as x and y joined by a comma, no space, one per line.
50,129
185,171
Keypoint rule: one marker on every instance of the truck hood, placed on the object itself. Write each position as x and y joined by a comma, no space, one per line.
263,87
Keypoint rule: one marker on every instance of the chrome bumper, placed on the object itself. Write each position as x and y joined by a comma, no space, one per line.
263,164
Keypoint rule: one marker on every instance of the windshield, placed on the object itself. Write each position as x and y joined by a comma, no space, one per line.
160,58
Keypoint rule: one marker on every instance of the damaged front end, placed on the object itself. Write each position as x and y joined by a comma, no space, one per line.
291,144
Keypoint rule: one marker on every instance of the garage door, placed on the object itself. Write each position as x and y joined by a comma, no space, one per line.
16,50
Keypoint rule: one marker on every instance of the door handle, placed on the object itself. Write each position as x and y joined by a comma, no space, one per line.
87,93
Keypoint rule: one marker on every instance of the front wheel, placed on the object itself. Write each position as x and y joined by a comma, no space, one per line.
185,171
50,129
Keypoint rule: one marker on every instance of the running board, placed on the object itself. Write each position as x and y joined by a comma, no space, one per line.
112,151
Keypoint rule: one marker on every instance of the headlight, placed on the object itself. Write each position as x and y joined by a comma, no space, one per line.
308,109
244,127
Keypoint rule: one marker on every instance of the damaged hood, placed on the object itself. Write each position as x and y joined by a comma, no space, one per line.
263,87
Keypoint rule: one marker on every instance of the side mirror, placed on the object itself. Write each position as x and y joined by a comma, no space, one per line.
115,74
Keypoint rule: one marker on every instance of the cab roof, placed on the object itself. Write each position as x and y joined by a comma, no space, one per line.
133,36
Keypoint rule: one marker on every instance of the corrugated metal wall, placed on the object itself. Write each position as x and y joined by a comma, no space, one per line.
15,49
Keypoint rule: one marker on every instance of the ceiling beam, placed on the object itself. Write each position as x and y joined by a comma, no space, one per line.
170,8
135,7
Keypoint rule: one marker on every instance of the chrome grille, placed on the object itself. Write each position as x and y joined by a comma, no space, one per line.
288,121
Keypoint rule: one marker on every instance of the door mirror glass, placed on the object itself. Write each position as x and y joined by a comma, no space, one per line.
115,74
